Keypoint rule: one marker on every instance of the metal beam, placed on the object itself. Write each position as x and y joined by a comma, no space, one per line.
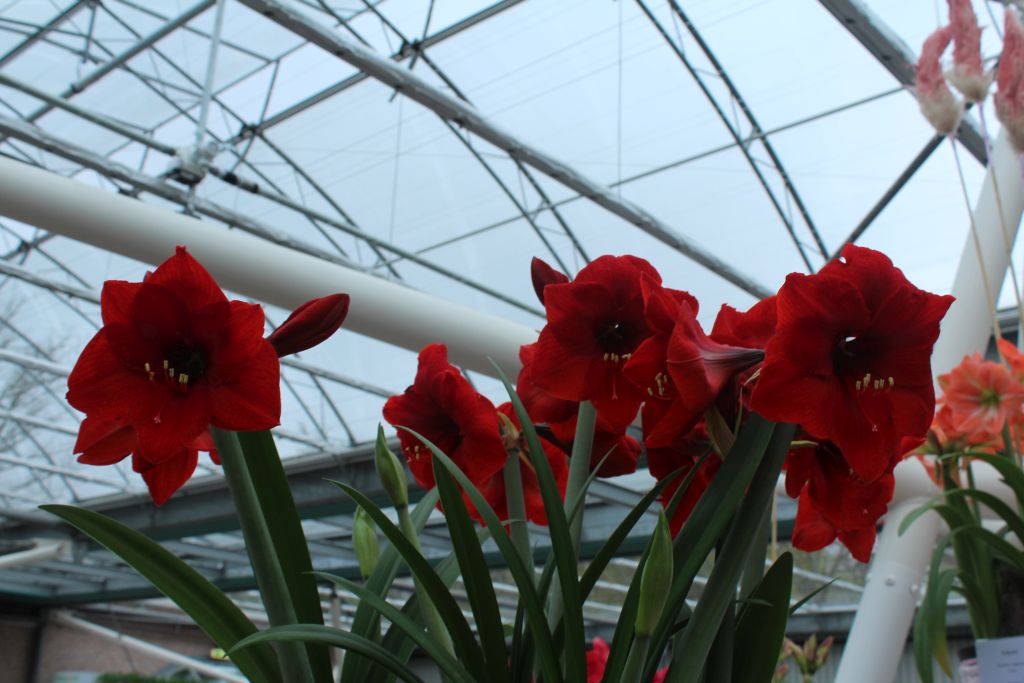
41,32
464,116
893,54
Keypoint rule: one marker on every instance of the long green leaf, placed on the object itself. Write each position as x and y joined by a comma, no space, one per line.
366,621
266,563
999,545
208,607
289,541
476,576
315,633
761,627
523,578
710,519
448,664
720,591
562,547
462,636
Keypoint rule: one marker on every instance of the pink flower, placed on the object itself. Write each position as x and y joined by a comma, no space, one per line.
968,74
1009,96
938,104
981,396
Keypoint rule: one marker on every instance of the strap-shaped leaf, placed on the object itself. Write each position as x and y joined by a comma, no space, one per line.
315,633
208,607
448,664
289,541
476,576
761,626
523,578
696,639
366,621
465,643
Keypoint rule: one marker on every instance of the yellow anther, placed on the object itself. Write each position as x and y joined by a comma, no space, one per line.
607,355
867,379
892,382
183,378
166,365
858,385
650,392
170,373
146,365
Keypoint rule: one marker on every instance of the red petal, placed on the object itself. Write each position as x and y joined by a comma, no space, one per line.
251,400
182,418
310,324
104,442
184,276
166,477
116,300
103,387
543,275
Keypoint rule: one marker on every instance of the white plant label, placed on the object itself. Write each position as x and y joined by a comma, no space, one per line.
1001,660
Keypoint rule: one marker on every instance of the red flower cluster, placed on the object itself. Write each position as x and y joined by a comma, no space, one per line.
173,357
843,353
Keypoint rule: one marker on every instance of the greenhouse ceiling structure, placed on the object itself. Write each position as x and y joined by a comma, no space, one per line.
434,147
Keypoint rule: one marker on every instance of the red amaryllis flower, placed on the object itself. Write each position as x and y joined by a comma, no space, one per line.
834,502
494,489
597,662
543,275
595,323
685,452
309,324
443,407
689,368
850,358
752,329
104,442
175,356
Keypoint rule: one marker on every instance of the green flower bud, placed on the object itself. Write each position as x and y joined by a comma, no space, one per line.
655,580
364,537
390,471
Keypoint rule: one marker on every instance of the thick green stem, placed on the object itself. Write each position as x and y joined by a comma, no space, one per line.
634,669
753,571
266,566
517,510
431,617
579,472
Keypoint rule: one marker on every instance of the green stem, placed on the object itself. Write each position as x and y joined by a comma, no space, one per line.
579,472
579,467
753,571
266,566
634,668
517,510
431,617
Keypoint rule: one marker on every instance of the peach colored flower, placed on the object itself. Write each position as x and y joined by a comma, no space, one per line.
938,103
1009,96
981,397
1013,357
968,74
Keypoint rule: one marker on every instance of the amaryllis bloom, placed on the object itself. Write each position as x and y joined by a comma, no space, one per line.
684,452
1009,97
619,451
173,357
494,489
938,103
834,502
981,397
968,74
309,324
595,323
752,329
443,407
1013,357
695,367
543,275
104,442
850,358
597,662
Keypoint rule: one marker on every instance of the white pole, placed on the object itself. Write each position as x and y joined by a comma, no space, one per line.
142,646
43,550
253,267
879,632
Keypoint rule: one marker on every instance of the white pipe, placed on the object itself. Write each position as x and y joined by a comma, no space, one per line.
253,267
142,646
879,632
44,550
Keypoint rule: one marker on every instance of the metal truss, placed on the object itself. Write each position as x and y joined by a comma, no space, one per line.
464,116
737,135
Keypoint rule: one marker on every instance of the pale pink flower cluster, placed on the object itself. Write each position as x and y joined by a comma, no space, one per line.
968,74
1009,97
938,103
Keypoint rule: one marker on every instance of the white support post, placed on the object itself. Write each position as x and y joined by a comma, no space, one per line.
879,632
256,268
156,651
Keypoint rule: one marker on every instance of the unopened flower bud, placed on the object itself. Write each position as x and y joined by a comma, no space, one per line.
655,580
543,275
390,471
367,545
1009,97
310,324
